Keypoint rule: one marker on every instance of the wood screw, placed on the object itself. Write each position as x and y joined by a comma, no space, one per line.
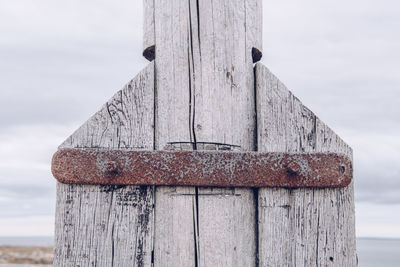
293,168
112,167
342,169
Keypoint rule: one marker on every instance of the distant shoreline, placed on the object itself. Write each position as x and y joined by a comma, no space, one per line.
48,241
371,251
37,241
380,238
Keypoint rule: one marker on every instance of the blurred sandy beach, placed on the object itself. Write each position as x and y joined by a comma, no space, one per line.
26,251
26,255
38,252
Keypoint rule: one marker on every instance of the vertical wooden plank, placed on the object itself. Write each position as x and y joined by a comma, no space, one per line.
110,225
174,207
227,232
175,229
274,230
307,227
173,96
224,98
148,30
103,226
254,22
205,93
225,113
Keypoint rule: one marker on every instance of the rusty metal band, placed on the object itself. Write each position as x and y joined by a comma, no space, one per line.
202,168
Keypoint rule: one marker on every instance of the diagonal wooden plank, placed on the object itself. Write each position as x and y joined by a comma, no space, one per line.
306,227
110,225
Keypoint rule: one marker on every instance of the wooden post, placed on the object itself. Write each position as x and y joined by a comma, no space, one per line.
202,92
205,93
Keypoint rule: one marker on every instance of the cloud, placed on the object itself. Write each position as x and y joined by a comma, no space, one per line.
61,60
340,58
26,183
27,226
50,85
377,169
99,20
372,220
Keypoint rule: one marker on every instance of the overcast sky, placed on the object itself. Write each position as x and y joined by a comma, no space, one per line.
61,60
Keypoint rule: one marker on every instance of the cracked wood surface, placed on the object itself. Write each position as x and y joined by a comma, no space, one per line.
110,225
203,84
204,69
205,93
300,227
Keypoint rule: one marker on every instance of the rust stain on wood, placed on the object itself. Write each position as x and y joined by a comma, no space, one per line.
202,168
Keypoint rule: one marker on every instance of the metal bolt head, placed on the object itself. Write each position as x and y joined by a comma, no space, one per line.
342,169
293,168
112,167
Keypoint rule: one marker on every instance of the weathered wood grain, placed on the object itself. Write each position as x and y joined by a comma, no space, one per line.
125,121
199,93
224,79
205,93
301,227
173,95
254,18
175,225
227,227
224,112
175,229
148,29
110,225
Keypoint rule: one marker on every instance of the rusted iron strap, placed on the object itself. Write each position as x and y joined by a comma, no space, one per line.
201,168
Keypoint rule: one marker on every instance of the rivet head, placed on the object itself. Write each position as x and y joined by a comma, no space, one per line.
112,167
293,168
342,169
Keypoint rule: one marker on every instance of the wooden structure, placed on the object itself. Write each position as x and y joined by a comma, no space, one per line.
202,91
